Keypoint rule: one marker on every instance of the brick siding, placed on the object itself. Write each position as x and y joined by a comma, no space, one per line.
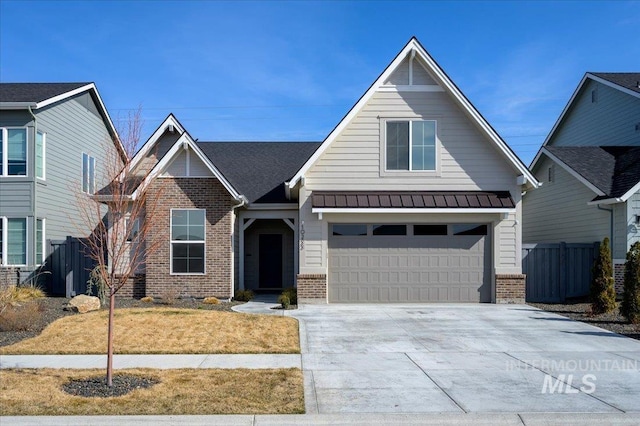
135,288
510,288
9,276
192,193
312,288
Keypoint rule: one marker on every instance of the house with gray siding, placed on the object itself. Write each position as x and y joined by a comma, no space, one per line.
52,142
412,197
589,167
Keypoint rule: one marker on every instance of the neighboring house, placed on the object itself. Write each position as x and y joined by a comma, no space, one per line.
590,168
413,197
52,142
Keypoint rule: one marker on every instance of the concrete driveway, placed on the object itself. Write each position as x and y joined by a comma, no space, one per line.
462,358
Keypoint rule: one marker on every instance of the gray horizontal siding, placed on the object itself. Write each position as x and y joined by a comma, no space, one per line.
558,211
72,128
16,197
609,121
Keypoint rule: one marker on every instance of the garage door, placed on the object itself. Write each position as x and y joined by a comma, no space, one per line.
409,263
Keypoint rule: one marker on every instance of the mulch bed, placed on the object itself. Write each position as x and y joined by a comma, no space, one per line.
51,309
122,384
580,310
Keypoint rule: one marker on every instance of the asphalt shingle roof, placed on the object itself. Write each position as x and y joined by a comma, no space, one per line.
258,170
612,169
34,92
629,80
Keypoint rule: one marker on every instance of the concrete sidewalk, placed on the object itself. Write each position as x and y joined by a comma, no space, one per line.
334,419
152,361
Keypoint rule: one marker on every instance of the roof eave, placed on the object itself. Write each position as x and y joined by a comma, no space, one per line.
17,105
573,173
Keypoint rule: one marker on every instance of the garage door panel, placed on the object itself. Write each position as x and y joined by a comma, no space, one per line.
409,269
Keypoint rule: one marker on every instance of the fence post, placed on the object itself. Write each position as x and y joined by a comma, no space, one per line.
562,270
68,267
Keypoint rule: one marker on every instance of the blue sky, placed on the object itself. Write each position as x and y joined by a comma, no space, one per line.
290,70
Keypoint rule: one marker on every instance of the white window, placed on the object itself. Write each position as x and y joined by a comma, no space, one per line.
88,174
40,241
411,145
187,241
40,155
13,151
13,240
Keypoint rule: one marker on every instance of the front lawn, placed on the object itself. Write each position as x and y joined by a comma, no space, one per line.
178,392
165,331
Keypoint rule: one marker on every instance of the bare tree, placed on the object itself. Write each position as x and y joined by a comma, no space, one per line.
121,215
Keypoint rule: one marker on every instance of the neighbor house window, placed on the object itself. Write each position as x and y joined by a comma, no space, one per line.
132,227
40,154
13,239
39,241
88,174
13,152
411,145
187,241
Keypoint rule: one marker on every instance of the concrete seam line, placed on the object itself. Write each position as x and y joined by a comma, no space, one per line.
521,419
434,382
568,384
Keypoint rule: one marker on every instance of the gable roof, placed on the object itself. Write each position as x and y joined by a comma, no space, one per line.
626,82
259,170
39,95
612,172
413,47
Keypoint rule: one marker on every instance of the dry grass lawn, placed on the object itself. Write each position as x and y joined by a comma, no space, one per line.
165,331
38,392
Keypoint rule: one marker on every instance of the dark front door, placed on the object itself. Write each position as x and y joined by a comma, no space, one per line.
270,260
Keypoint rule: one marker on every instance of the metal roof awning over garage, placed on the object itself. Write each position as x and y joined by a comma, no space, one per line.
412,202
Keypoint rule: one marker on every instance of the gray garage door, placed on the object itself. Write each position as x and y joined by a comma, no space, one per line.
409,263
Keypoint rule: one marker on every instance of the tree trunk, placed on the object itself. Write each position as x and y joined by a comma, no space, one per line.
112,301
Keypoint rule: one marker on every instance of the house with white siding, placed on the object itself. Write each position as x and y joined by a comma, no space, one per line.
412,197
589,167
52,145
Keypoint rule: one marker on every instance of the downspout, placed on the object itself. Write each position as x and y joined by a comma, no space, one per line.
610,224
243,202
34,237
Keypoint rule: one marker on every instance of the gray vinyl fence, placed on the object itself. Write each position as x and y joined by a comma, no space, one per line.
69,267
557,272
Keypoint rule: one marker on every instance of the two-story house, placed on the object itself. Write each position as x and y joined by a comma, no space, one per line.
412,197
589,165
53,138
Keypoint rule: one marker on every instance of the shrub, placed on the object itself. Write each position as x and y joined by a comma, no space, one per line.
20,317
210,301
147,299
283,300
630,307
13,295
292,294
243,295
170,295
602,291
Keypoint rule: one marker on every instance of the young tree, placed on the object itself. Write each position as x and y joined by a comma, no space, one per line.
121,215
630,307
603,293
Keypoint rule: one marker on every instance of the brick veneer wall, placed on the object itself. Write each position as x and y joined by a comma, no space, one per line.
510,288
312,288
193,193
134,288
618,276
8,277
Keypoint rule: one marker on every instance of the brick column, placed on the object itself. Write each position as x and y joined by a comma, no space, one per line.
510,288
618,276
312,288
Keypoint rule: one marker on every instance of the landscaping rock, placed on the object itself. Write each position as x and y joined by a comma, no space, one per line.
83,304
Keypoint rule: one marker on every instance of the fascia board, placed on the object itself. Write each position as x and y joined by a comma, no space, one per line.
613,85
573,173
150,143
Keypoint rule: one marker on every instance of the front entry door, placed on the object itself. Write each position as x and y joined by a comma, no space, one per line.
270,259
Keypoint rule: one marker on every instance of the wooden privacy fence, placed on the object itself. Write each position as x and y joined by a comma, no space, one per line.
70,267
556,272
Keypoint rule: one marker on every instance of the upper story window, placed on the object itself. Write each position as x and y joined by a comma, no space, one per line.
40,154
88,174
13,151
411,145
